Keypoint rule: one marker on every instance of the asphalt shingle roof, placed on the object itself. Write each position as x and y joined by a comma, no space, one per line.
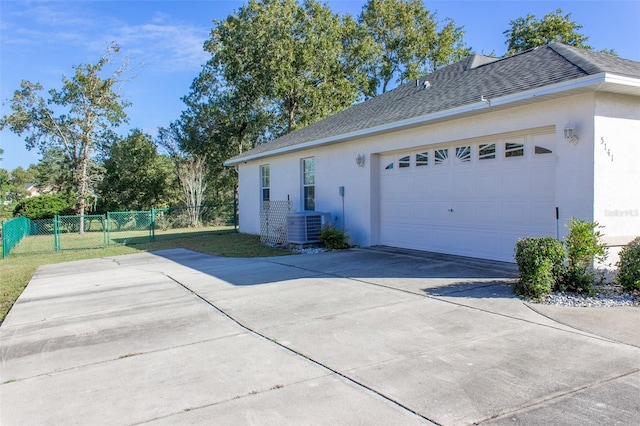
458,85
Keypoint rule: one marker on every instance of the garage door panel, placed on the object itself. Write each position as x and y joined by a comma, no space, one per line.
463,214
440,212
516,213
462,241
463,183
486,182
424,212
422,187
515,182
440,239
441,184
543,215
478,208
542,180
486,242
487,213
392,212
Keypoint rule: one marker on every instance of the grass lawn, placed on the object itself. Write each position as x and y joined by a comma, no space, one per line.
18,268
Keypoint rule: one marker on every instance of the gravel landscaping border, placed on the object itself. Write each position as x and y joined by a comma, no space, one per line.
606,296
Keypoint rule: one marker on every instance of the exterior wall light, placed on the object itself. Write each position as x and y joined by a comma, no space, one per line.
570,134
360,160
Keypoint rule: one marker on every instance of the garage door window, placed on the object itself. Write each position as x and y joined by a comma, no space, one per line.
404,162
542,150
463,154
441,156
487,151
422,159
513,150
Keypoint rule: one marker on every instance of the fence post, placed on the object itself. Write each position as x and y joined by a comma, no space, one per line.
104,232
4,242
235,214
108,225
56,234
152,233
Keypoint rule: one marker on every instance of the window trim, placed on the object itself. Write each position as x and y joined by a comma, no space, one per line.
305,185
263,187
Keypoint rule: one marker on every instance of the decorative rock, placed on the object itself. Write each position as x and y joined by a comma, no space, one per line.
607,295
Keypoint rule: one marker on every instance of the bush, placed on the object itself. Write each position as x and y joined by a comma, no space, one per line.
583,247
575,279
44,206
583,243
628,275
540,261
334,239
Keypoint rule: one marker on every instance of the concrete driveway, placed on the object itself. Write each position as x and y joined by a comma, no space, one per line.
365,336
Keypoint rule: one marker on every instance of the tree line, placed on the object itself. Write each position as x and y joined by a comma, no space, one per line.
275,66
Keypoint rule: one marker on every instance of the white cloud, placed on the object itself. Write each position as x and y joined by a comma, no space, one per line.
164,46
159,42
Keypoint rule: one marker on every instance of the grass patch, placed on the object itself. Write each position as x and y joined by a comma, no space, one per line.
18,268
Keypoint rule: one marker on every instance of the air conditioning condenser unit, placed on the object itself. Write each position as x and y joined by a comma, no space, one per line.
305,227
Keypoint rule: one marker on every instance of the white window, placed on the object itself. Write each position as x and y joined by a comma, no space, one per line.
463,154
264,182
487,151
422,159
308,183
513,149
441,156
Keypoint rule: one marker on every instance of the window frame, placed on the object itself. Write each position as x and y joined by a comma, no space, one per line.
265,186
308,177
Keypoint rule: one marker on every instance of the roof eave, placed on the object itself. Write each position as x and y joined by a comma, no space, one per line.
602,81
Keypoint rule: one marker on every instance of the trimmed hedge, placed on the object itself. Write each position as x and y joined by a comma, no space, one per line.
540,262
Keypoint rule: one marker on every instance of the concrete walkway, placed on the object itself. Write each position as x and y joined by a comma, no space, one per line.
355,337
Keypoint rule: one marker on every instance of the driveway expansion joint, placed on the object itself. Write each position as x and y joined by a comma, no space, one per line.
557,396
300,354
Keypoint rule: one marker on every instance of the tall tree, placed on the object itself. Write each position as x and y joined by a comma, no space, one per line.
5,184
529,32
136,176
53,171
77,118
408,41
284,59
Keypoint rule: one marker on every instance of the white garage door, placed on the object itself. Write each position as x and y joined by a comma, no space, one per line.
471,198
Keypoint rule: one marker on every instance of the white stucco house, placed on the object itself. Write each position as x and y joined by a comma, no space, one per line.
469,158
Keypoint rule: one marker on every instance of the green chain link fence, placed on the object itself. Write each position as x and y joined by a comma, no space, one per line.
13,231
98,231
77,233
129,227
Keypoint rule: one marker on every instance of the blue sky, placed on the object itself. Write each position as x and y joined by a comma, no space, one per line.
41,40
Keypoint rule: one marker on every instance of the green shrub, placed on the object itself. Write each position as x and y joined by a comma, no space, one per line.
628,275
583,243
575,279
583,247
333,238
539,262
44,206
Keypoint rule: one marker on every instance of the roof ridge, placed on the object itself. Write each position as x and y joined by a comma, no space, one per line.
572,55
